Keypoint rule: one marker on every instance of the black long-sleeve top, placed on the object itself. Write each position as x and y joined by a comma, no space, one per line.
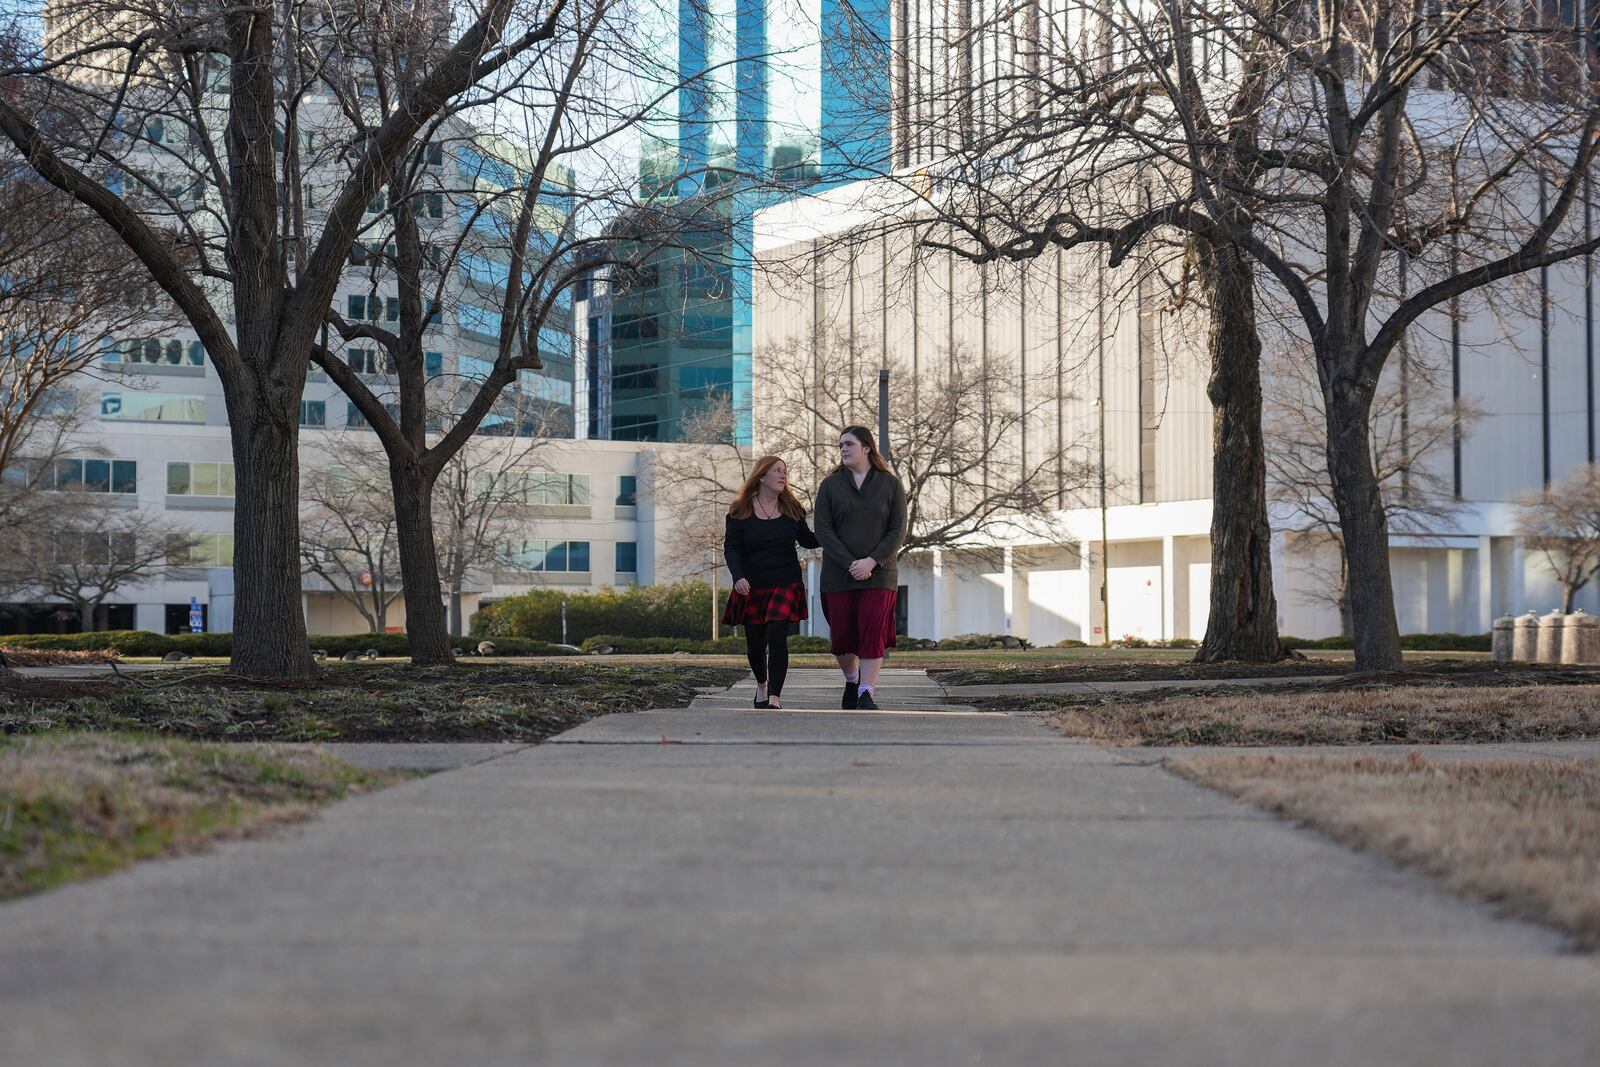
762,551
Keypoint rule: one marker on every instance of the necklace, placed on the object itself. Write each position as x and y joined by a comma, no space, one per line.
759,515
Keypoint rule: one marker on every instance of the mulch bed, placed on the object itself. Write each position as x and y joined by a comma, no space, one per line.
355,702
1475,671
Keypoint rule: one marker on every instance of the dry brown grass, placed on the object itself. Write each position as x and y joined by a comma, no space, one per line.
78,805
1524,834
54,657
1376,715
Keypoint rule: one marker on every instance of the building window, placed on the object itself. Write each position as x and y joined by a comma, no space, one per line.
634,327
313,413
628,491
635,428
430,205
165,351
354,419
550,556
202,550
92,476
540,487
199,479
367,361
627,557
635,376
433,364
152,407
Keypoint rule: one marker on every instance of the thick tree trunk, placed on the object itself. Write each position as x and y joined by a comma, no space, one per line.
269,624
419,565
1243,619
1363,524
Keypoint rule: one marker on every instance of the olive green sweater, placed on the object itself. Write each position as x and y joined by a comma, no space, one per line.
856,523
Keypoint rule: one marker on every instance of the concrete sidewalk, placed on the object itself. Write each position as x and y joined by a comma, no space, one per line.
919,886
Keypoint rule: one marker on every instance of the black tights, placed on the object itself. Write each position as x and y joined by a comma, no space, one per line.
767,646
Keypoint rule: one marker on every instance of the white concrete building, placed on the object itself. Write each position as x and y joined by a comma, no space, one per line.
1452,577
604,534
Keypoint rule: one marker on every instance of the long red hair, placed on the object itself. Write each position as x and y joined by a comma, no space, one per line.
744,506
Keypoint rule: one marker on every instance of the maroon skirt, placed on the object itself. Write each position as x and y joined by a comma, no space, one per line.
784,603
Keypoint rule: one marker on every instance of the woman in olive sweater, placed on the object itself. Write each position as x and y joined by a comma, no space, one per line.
763,526
861,522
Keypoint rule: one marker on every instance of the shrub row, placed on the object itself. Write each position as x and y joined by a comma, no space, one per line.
1410,642
145,643
642,646
680,610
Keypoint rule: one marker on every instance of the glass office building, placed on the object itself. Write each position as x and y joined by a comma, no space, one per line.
775,97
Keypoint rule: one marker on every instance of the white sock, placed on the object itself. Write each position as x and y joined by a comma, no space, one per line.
853,677
868,688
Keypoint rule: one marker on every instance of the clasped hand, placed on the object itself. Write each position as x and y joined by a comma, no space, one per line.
862,569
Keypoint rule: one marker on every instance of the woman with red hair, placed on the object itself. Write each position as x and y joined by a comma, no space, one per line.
764,524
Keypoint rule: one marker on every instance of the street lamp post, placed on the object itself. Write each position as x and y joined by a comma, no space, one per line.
883,412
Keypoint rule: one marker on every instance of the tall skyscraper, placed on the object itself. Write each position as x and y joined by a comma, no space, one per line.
773,98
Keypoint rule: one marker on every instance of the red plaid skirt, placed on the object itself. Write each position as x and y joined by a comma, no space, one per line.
784,603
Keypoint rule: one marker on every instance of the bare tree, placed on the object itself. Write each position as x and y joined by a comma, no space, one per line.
479,502
693,482
535,227
1415,423
1028,127
347,537
955,428
197,132
1563,523
91,548
67,288
1374,163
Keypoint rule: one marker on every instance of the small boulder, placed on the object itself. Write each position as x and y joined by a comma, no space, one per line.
1010,642
601,650
485,648
351,657
175,657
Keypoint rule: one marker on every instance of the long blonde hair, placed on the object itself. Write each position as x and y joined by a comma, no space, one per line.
744,502
874,457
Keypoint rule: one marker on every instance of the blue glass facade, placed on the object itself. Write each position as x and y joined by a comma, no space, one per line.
776,96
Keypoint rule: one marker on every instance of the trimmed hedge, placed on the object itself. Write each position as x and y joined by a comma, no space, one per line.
963,642
145,643
677,611
733,646
1409,642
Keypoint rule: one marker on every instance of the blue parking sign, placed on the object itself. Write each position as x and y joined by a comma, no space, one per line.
196,616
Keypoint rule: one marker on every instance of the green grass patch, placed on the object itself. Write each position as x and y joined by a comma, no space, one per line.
79,805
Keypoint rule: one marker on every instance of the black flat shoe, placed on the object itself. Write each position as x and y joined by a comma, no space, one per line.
850,695
763,703
865,702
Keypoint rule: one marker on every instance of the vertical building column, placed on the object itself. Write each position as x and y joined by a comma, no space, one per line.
1485,584
1280,572
1519,576
1022,608
1169,589
150,617
816,625
936,584
1091,591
